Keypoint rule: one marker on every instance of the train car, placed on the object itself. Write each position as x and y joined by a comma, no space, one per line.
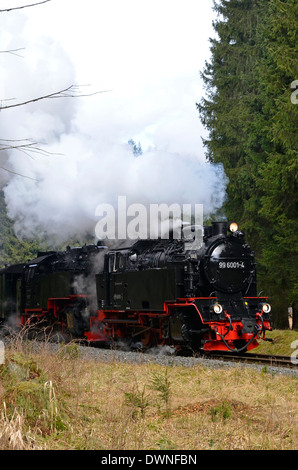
10,291
155,292
55,289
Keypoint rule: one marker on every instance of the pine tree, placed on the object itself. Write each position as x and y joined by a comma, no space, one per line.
279,176
232,100
252,125
13,250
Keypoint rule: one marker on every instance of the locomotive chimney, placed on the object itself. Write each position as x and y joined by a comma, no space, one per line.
219,228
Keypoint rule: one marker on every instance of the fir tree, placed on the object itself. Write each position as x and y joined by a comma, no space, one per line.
252,125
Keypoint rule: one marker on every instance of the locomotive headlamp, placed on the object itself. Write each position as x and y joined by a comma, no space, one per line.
266,308
217,308
233,227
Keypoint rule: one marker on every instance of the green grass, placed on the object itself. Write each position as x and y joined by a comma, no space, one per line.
282,343
61,401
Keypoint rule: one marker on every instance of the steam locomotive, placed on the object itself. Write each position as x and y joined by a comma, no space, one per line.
194,292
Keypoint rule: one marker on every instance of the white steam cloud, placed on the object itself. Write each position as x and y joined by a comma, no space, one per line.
89,161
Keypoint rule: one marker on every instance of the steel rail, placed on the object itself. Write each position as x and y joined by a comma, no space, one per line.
266,359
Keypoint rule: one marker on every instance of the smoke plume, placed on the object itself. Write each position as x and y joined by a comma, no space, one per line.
88,160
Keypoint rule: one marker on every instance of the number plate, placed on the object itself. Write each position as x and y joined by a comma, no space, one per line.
231,265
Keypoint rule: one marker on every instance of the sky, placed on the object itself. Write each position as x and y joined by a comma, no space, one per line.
143,59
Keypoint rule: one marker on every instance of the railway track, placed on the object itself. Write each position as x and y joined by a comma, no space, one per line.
248,358
254,358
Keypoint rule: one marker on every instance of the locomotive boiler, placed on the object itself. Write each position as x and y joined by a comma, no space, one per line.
155,292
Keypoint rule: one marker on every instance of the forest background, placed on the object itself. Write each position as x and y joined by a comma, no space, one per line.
251,113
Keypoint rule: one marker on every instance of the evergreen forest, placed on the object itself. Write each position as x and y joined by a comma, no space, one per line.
251,113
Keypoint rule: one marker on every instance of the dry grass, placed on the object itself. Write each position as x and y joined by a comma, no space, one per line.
60,401
11,433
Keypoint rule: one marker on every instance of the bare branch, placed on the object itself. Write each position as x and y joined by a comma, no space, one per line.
24,145
27,146
69,92
13,51
18,174
24,6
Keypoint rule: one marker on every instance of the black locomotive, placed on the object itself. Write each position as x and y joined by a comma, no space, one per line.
175,292
151,292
